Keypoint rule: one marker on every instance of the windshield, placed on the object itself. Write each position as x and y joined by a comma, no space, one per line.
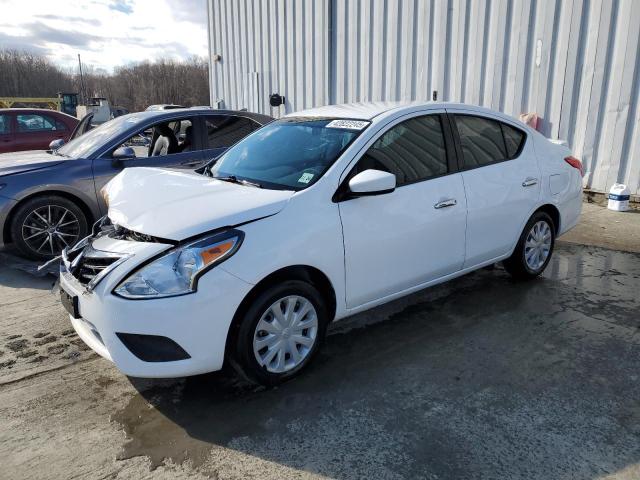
290,153
86,144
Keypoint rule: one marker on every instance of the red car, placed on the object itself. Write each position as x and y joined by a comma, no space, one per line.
33,128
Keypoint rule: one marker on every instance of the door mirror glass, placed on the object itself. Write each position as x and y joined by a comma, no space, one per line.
56,144
372,182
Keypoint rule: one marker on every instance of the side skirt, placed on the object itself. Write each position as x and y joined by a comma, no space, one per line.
422,286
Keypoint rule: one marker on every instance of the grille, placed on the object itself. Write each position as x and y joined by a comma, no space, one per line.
92,265
90,268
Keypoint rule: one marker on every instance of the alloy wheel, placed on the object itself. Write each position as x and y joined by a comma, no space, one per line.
285,334
537,245
49,229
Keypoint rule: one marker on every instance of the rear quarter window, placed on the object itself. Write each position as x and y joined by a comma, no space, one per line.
513,139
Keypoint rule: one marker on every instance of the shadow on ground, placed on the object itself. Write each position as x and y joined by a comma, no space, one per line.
24,273
483,377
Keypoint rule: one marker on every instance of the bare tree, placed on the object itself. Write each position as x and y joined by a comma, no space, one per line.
134,87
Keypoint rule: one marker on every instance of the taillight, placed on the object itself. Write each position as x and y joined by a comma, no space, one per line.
575,163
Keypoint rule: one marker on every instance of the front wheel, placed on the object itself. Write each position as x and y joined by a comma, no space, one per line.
535,246
280,332
44,225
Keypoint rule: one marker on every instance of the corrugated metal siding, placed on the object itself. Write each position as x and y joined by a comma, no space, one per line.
269,46
576,63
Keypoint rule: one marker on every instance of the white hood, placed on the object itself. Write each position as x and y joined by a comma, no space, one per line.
178,205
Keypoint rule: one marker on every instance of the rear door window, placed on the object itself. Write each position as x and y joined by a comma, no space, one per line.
485,141
225,130
481,141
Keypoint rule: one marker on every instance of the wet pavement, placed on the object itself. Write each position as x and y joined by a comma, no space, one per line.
482,377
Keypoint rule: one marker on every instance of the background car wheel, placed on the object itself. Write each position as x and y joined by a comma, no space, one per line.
280,333
534,248
43,226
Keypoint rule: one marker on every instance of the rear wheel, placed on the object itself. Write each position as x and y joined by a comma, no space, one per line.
43,226
534,249
280,333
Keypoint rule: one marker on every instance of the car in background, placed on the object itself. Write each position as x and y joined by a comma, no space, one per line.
33,128
163,106
50,198
117,111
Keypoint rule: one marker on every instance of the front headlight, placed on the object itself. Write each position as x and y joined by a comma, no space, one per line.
177,271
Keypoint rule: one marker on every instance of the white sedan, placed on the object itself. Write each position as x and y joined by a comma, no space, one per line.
314,217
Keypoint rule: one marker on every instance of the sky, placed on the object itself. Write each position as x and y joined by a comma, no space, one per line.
106,33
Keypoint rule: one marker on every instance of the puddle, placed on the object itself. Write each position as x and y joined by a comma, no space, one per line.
181,421
365,397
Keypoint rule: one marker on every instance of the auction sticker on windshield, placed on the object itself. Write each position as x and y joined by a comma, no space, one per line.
305,178
349,124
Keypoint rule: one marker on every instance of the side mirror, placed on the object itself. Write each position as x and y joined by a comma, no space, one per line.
56,144
121,154
372,182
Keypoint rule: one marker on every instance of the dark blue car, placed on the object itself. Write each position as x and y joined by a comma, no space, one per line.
50,198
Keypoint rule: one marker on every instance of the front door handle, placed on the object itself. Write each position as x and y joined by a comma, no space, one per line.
529,182
446,203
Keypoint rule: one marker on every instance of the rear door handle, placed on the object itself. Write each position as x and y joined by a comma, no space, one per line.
446,203
529,182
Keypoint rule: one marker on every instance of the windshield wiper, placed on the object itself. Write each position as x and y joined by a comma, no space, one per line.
240,181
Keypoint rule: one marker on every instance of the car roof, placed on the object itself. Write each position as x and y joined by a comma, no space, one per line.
171,113
370,110
165,106
358,110
34,110
44,111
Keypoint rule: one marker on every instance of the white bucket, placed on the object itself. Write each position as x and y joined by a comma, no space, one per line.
618,198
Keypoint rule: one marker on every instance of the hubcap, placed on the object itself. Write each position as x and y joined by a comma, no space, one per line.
285,334
49,229
537,245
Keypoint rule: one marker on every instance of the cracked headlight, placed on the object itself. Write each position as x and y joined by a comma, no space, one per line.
177,271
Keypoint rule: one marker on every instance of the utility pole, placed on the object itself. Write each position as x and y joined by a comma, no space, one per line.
83,90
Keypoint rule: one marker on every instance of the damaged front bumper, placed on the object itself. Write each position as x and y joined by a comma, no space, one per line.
157,337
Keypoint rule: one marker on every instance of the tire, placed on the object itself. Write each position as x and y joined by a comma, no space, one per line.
42,225
538,237
245,352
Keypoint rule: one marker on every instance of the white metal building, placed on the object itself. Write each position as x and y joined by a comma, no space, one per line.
576,63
